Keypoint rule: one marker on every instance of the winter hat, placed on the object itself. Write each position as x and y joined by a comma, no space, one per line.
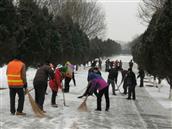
63,69
59,66
92,76
67,63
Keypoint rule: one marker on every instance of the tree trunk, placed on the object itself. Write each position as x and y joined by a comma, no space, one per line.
170,96
169,80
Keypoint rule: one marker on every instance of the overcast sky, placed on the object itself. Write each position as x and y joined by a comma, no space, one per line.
121,18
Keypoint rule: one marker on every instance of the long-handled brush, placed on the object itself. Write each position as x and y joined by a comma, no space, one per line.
38,112
83,106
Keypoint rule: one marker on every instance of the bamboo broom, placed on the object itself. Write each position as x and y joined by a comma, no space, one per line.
83,106
38,112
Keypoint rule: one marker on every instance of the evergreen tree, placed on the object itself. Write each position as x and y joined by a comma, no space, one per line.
155,47
7,30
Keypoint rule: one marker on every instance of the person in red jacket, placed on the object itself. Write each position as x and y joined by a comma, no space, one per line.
56,84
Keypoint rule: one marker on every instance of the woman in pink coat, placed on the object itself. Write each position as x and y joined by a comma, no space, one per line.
100,87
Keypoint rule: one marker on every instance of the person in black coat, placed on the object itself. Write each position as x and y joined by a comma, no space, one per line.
112,78
141,75
131,83
40,83
124,74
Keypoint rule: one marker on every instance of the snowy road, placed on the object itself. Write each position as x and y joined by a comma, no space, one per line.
144,113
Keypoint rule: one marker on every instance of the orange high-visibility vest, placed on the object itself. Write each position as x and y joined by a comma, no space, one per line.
14,70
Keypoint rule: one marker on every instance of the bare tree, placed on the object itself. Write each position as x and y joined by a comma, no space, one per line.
87,13
147,8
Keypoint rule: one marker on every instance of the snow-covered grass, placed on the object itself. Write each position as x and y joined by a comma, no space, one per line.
160,92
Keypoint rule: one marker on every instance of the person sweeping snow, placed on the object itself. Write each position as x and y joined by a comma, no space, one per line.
56,83
99,87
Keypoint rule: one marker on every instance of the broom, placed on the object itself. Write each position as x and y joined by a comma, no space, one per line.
83,106
26,92
3,88
38,112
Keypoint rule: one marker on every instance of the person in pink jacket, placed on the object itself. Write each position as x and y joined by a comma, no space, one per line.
99,87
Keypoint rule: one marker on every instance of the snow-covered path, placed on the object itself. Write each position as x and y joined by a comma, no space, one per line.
144,113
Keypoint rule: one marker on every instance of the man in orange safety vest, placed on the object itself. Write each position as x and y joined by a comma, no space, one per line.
16,76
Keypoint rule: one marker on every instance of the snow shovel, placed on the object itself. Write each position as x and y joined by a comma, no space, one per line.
83,106
38,112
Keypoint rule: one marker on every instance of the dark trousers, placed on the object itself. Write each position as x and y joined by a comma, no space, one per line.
112,83
40,90
73,78
67,81
131,90
125,88
13,92
104,92
53,97
141,82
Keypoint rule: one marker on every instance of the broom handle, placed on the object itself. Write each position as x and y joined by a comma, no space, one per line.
64,102
86,98
27,91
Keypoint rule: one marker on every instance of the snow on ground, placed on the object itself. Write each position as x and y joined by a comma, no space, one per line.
160,93
68,117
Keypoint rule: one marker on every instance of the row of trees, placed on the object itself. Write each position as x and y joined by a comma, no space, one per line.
153,49
30,29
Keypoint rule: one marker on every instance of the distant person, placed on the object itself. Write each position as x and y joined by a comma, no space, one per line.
112,78
141,75
124,74
40,83
68,76
16,76
107,65
131,84
100,64
131,64
73,74
93,64
120,65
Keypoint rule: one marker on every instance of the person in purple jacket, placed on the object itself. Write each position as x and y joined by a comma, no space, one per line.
99,87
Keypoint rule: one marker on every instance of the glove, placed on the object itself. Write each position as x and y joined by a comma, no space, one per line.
25,86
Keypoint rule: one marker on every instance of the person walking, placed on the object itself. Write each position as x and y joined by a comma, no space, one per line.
68,76
100,63
40,83
16,77
73,74
131,83
124,74
141,75
112,78
130,64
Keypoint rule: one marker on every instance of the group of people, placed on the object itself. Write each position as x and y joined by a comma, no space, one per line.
16,75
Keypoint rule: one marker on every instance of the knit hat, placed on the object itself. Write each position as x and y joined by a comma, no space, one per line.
63,69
